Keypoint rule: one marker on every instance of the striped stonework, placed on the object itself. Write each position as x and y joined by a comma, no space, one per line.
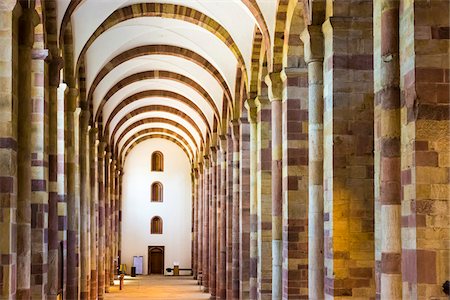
157,50
425,147
295,184
8,150
348,156
39,165
264,161
166,11
244,207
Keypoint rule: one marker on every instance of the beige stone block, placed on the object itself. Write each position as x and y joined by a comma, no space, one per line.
431,175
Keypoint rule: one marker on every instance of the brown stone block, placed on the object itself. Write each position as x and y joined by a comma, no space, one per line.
429,75
431,112
426,266
443,93
6,184
391,263
426,158
440,33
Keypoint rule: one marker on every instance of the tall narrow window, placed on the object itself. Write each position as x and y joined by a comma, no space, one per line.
157,192
157,161
156,226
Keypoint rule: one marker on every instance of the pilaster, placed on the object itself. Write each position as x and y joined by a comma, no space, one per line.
314,54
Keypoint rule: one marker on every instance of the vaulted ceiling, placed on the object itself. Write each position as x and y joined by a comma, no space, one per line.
167,68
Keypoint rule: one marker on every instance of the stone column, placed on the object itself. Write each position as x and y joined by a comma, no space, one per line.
212,223
348,153
264,193
53,197
205,256
275,84
112,214
70,172
235,211
200,224
388,152
222,164
425,147
218,215
229,210
244,207
94,234
313,40
62,190
194,222
295,181
101,220
119,214
8,148
253,267
39,170
83,162
107,252
26,39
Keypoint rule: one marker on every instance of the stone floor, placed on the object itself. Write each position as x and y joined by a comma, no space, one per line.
157,287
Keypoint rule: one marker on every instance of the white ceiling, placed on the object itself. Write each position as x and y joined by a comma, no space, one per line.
233,15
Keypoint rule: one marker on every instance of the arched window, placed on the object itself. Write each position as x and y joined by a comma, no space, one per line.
156,226
157,192
157,161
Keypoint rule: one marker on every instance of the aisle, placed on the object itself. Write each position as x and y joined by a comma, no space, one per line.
158,288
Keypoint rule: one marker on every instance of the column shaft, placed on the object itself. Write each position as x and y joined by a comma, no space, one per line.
213,224
39,169
112,214
388,152
222,288
26,38
229,211
83,162
205,257
107,252
53,239
94,236
70,172
8,153
101,221
253,268
235,211
200,225
244,207
313,39
264,194
275,84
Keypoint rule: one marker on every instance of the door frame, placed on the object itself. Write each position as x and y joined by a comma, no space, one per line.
149,263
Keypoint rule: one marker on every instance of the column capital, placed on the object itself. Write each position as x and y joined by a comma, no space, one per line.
252,108
56,63
223,142
275,83
235,125
262,102
312,38
70,100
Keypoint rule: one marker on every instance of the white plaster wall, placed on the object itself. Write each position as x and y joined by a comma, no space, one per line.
175,210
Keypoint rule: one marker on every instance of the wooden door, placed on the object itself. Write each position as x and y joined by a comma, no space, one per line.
155,260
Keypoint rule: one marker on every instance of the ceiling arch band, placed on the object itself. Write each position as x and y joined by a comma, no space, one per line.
156,75
123,156
147,121
153,94
164,50
169,11
158,108
160,130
